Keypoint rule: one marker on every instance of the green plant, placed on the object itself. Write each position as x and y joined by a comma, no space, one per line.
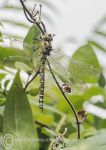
31,130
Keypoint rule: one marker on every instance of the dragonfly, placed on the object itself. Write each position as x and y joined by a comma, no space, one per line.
68,70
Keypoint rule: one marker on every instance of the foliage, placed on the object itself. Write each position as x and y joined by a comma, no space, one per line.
92,143
20,121
15,122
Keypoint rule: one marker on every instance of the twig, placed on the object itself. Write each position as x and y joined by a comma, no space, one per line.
70,104
32,19
27,84
58,139
41,124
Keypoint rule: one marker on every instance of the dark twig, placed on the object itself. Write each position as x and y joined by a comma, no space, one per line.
27,84
70,104
41,124
32,18
27,16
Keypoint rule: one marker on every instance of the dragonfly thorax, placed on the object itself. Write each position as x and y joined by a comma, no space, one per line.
47,43
46,52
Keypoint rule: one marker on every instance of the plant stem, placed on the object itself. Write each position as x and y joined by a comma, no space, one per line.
31,80
32,20
68,101
61,123
41,124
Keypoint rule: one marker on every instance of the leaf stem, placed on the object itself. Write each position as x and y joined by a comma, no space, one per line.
27,84
68,101
61,123
41,124
32,19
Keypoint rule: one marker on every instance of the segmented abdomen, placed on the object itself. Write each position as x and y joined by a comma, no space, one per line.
42,80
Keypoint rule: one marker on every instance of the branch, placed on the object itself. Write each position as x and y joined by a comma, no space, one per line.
27,84
68,101
41,124
32,19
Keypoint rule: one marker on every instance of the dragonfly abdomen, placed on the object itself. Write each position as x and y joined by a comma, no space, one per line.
42,82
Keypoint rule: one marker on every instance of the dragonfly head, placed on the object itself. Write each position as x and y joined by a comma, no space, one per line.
48,37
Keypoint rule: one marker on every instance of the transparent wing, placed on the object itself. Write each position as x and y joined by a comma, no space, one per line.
20,45
76,85
73,72
78,69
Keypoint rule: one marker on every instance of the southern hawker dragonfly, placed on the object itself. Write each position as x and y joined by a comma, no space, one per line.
72,74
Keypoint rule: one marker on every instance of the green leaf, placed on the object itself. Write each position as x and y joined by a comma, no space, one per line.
6,52
10,60
1,24
0,34
22,66
1,122
102,81
2,100
18,121
32,34
97,45
99,123
33,92
87,55
88,68
97,142
45,119
6,83
103,34
93,91
88,132
2,75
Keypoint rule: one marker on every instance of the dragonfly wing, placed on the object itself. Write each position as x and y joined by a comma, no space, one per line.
78,69
76,85
36,57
